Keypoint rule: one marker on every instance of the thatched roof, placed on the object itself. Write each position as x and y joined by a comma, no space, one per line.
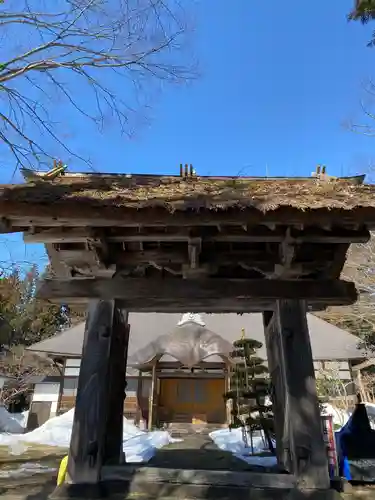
175,193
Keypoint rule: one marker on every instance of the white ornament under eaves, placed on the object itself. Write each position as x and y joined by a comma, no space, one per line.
191,318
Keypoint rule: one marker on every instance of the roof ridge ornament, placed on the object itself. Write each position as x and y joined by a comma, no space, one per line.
191,318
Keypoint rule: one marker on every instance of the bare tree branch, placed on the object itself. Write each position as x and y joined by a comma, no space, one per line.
360,317
367,104
22,367
78,53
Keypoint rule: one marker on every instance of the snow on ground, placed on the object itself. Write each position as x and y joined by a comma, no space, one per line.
8,423
25,470
21,417
340,417
139,446
231,440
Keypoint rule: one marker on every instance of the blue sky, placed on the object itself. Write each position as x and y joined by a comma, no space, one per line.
277,84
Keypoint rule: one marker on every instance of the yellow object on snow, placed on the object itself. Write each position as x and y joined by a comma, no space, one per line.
62,471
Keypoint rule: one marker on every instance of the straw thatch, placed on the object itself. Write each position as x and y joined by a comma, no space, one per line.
175,193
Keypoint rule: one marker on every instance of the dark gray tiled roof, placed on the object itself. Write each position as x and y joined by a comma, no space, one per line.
328,342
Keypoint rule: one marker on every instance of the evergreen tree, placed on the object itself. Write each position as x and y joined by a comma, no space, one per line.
249,388
364,11
24,319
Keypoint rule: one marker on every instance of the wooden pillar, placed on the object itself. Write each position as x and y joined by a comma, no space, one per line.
97,426
61,388
113,452
359,385
300,445
227,372
151,398
139,397
276,367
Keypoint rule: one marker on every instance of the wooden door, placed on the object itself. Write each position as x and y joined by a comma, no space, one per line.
190,399
209,405
175,400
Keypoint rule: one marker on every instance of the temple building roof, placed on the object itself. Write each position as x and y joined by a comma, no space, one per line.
154,329
190,342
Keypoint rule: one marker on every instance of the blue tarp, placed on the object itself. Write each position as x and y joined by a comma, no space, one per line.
356,447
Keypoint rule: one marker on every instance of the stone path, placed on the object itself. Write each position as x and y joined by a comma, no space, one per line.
198,452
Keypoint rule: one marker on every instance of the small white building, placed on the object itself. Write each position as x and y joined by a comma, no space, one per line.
44,401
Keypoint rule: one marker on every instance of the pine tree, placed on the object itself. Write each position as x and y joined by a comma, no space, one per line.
249,388
364,11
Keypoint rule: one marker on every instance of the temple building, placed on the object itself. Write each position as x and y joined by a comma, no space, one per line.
178,366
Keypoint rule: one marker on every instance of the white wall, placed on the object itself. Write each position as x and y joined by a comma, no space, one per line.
340,367
3,380
132,387
146,387
72,367
47,392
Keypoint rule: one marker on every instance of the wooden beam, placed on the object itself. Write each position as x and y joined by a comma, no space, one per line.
299,430
176,365
163,257
338,262
113,453
58,266
255,234
90,446
144,294
364,364
198,375
66,214
228,405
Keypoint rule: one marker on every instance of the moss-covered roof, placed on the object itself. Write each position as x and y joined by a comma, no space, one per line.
176,193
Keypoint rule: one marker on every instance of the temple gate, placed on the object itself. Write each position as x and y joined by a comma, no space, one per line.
204,244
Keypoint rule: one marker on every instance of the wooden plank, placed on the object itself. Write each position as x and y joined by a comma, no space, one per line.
116,382
151,415
303,447
276,367
250,235
91,411
60,214
228,294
